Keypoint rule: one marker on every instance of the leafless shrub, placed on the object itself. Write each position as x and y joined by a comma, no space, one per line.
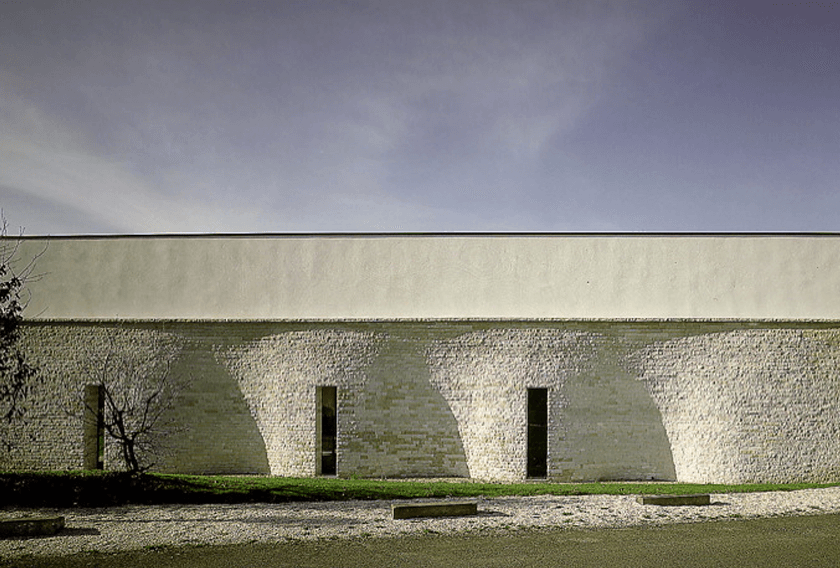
138,390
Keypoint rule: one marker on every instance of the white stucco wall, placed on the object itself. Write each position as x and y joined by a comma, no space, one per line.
787,277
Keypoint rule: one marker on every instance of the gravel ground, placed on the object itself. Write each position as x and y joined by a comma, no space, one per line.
138,527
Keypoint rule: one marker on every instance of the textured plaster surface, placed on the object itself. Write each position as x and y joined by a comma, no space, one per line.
311,277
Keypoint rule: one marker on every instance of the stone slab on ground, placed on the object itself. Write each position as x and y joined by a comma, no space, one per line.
675,500
32,526
434,509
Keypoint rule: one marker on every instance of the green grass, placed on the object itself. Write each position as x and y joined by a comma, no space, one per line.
78,488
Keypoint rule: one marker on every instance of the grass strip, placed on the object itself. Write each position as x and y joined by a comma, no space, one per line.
84,488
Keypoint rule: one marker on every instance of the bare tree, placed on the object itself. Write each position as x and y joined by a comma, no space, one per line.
138,391
16,374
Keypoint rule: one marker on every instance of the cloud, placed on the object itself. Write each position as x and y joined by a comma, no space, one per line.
368,116
48,162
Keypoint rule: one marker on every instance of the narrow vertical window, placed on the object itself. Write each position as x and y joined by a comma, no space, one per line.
94,427
537,459
326,430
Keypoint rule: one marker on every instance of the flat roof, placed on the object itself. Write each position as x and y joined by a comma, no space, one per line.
373,234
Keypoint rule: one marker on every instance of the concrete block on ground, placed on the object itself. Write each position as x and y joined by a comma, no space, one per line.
434,509
675,500
32,526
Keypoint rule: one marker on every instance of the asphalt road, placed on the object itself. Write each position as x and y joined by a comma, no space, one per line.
799,542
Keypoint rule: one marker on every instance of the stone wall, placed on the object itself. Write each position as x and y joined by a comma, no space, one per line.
484,376
210,429
749,405
693,401
278,375
51,435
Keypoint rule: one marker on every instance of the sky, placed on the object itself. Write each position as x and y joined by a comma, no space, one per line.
283,116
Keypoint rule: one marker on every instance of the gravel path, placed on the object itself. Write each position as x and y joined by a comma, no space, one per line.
137,527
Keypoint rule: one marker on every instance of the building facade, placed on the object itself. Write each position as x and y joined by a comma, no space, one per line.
698,358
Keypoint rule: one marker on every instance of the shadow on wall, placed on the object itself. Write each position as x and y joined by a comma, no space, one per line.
447,399
404,427
756,405
614,429
218,435
279,375
215,431
390,420
601,422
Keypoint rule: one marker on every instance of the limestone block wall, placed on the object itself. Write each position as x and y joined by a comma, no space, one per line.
684,400
391,422
278,376
484,376
613,430
404,425
50,437
749,405
210,427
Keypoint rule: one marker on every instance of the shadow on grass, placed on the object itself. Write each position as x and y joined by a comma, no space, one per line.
109,489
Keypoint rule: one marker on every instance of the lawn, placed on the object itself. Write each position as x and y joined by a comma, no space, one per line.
88,488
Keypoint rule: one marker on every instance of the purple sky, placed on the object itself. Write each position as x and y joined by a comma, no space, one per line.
434,115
